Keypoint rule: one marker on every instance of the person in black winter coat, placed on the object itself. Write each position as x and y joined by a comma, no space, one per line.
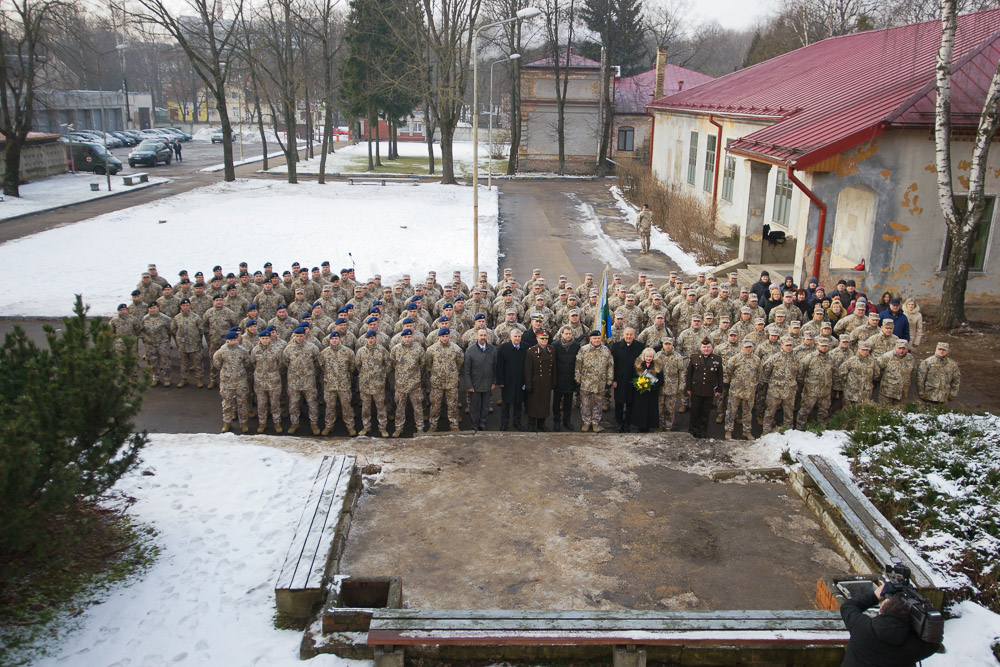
510,379
624,353
566,350
762,287
886,640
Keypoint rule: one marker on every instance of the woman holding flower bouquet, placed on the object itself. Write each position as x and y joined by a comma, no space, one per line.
646,383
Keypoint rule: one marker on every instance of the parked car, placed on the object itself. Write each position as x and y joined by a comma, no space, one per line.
81,135
90,156
217,136
185,135
127,139
151,152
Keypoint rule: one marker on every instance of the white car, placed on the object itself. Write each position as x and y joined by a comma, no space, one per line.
217,136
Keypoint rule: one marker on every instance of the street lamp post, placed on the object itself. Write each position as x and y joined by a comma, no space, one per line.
526,13
72,160
489,173
104,131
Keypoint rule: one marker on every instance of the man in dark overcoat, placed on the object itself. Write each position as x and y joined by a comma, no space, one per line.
703,384
539,380
510,378
624,353
478,372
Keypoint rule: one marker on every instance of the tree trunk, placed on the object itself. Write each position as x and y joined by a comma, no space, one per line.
260,126
12,166
447,126
602,154
378,140
561,134
515,119
291,142
956,278
327,143
429,138
371,163
227,131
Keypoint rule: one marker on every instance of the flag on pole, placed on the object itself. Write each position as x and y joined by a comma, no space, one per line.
602,318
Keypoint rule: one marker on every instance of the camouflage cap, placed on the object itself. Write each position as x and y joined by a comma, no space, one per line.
887,321
943,346
773,330
901,343
692,292
845,338
724,318
709,315
746,310
759,320
511,311
864,345
823,341
787,340
808,335
747,342
795,324
667,340
827,324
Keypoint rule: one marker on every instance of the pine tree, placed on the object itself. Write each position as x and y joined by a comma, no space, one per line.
66,429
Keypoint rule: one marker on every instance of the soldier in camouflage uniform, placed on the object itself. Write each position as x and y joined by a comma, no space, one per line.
866,330
687,344
938,377
726,350
156,342
816,370
301,359
283,323
372,362
744,373
883,341
231,362
814,323
123,324
187,329
149,291
594,372
780,374
137,309
216,322
169,304
897,367
267,301
200,302
849,323
683,314
859,374
406,360
652,335
509,324
443,362
337,364
840,357
673,367
268,360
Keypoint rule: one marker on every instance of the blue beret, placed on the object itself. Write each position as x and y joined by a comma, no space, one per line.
232,335
411,306
480,316
252,323
414,298
122,305
342,310
371,334
444,332
236,329
340,320
280,306
407,332
317,303
299,330
373,310
252,306
407,320
448,305
371,319
443,318
334,334
377,303
459,298
349,307
266,333
306,315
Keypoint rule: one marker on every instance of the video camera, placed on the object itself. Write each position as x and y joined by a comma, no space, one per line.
926,621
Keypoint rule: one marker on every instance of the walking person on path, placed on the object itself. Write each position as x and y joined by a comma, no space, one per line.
644,225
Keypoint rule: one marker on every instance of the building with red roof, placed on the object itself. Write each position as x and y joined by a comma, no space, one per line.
631,124
832,145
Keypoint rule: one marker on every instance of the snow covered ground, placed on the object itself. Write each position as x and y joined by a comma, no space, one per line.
65,189
225,511
390,230
658,240
355,158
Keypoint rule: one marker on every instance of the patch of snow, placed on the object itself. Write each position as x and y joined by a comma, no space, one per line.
945,486
348,157
387,230
605,248
225,513
967,638
658,240
66,189
239,163
766,451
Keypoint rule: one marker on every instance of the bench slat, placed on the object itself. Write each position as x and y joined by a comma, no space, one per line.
608,614
873,529
326,497
701,637
559,625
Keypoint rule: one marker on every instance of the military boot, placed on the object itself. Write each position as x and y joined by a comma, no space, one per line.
211,384
719,419
585,428
729,435
277,428
351,432
325,431
315,429
597,428
243,428
225,427
182,383
200,385
384,433
748,436
292,429
398,432
153,383
261,427
166,383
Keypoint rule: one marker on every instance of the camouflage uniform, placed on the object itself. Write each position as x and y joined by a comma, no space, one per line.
231,362
337,364
938,379
503,330
882,343
896,372
216,323
744,372
122,326
169,305
780,373
840,357
858,375
595,370
673,367
687,344
372,362
200,304
268,361
443,363
407,363
283,328
816,370
863,332
156,341
301,360
267,305
187,330
631,315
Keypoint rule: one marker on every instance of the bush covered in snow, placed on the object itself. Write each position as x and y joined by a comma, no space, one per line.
935,474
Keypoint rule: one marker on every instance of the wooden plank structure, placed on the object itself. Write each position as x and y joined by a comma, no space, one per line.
132,179
382,180
872,529
301,582
625,631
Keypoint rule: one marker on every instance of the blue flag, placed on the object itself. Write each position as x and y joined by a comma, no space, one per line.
602,318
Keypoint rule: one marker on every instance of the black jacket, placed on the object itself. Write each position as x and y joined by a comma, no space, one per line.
885,640
762,290
566,366
704,374
624,357
528,339
510,371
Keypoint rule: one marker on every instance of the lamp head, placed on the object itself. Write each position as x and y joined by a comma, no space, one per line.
528,12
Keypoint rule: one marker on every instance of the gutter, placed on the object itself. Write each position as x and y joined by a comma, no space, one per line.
718,159
821,230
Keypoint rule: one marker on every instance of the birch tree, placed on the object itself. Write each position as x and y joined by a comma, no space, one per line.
560,15
961,222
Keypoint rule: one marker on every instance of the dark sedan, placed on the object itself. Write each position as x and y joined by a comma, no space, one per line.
151,152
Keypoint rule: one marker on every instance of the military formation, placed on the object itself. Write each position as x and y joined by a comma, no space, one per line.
320,345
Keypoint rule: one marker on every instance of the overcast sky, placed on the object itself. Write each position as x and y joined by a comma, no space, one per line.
736,14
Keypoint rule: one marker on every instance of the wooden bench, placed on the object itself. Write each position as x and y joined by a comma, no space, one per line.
383,181
873,530
623,631
132,179
302,580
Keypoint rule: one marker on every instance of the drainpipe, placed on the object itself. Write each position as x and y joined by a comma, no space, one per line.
652,132
821,230
718,158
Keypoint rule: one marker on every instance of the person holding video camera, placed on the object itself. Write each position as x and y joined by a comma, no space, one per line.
886,640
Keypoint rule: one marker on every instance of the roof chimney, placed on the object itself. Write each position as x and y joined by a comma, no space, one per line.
680,85
661,66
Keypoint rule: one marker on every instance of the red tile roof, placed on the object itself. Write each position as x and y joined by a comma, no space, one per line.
633,93
843,91
575,60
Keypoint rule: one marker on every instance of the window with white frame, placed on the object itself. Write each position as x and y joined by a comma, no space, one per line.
693,158
782,210
728,175
710,146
